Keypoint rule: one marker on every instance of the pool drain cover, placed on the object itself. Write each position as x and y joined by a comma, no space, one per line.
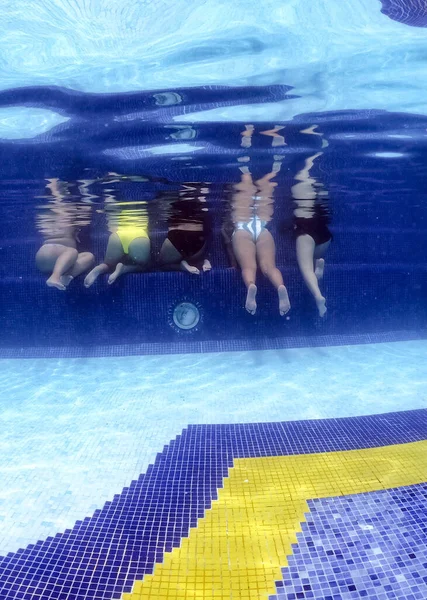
186,315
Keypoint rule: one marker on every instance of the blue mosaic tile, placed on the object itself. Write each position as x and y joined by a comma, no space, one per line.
186,346
361,546
102,555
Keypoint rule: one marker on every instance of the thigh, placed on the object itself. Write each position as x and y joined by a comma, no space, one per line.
139,250
169,254
305,250
47,256
266,248
244,249
114,251
85,261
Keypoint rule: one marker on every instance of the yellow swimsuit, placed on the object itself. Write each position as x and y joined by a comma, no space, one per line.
132,225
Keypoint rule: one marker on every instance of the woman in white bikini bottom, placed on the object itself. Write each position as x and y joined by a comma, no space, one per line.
254,245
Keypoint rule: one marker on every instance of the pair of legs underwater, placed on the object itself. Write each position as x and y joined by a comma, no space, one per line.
63,262
250,254
119,260
311,263
253,245
311,220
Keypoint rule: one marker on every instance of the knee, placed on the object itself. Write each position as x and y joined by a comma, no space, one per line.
266,268
249,271
45,260
88,257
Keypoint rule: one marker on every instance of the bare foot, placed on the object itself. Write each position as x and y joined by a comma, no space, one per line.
117,272
206,265
251,299
321,306
91,278
320,268
93,275
56,283
189,268
284,304
66,279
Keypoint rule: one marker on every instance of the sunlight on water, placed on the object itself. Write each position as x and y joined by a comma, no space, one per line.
20,122
324,51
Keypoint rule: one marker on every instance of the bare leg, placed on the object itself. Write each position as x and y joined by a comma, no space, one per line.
139,253
266,253
63,264
305,257
122,269
169,254
84,262
245,252
319,268
319,261
113,254
93,275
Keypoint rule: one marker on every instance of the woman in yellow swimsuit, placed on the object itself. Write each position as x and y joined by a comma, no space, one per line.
128,249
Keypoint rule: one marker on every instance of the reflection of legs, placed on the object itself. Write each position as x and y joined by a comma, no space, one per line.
139,253
266,253
247,136
305,257
245,252
64,263
113,254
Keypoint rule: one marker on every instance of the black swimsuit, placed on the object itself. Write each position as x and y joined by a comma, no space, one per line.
188,242
316,226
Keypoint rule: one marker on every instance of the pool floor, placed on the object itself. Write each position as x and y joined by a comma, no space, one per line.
276,474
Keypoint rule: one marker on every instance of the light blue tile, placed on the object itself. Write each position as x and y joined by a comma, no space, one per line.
78,430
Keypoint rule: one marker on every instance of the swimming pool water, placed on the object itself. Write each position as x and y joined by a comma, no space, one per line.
337,54
256,457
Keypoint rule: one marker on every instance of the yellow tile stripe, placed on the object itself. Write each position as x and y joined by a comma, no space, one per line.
236,551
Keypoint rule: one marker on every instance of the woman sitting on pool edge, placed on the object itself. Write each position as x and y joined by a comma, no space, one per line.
186,244
59,255
128,248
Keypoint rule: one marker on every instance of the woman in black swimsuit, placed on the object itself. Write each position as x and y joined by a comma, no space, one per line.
185,247
311,230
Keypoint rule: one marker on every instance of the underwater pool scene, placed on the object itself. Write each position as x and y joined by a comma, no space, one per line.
213,300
